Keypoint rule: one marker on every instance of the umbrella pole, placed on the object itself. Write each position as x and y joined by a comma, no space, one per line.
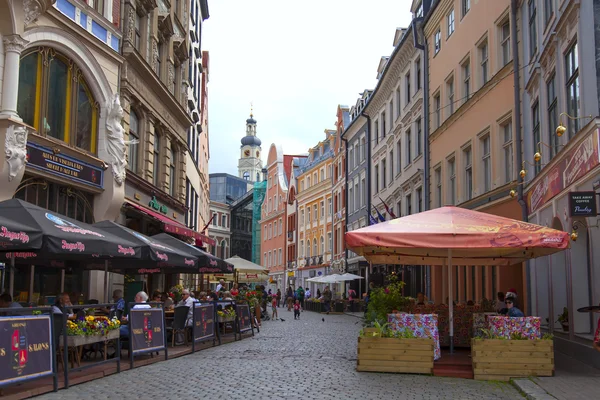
450,302
11,279
62,280
106,281
31,278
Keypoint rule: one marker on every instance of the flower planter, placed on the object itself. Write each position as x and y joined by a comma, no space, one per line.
339,307
80,340
501,359
377,354
226,319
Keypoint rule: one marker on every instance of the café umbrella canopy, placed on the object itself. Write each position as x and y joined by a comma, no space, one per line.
207,263
448,235
156,256
42,234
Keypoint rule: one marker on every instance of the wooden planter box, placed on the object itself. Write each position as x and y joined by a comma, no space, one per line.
377,354
501,360
80,340
226,319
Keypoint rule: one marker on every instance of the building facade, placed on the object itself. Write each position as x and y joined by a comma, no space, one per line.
315,211
226,188
560,75
219,229
338,182
357,136
472,148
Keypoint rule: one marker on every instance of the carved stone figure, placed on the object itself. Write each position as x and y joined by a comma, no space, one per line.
32,9
15,149
155,55
131,25
116,143
171,78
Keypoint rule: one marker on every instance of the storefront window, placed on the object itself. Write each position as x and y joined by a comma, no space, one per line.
55,99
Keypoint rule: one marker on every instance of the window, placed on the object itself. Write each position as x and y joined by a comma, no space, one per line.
408,204
280,257
322,175
437,39
572,77
438,186
215,222
156,166
224,221
535,122
437,104
419,137
505,43
391,166
548,10
452,179
450,92
330,241
418,73
399,205
322,245
363,192
363,148
376,132
159,56
391,108
383,174
466,6
483,54
450,20
247,176
265,260
466,71
99,6
52,87
301,249
330,207
408,147
265,234
302,221
508,151
270,231
383,121
419,199
398,102
350,199
134,134
270,264
552,116
314,247
173,173
532,28
308,216
399,153
487,165
468,159
407,80
376,178
274,228
138,31
322,209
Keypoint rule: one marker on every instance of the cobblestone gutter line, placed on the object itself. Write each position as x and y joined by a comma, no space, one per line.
531,390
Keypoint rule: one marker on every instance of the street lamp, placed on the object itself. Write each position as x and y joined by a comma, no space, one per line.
561,129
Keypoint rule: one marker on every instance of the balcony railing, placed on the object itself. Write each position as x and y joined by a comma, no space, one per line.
314,260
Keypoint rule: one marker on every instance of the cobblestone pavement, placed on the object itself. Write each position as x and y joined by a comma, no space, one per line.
305,359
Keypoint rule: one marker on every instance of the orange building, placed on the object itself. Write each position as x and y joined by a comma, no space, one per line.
315,211
471,129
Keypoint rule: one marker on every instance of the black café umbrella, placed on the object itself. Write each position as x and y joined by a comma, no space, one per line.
207,263
42,234
157,257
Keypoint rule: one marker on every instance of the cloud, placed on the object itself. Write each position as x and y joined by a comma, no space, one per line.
296,61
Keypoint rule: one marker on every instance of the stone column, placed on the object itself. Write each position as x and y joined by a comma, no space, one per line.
148,149
13,46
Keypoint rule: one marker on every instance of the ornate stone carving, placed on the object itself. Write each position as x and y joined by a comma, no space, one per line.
14,43
32,9
154,61
131,25
115,139
15,149
171,78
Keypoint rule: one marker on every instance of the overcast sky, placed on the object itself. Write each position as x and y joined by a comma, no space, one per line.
295,61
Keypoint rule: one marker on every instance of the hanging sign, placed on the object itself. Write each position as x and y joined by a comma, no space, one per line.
582,204
155,205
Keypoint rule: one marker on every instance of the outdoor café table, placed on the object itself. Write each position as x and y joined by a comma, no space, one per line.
480,322
421,325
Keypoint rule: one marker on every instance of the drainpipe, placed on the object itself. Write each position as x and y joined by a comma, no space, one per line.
518,135
368,142
426,148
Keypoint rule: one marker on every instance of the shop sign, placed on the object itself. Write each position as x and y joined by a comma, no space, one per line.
146,328
155,205
251,276
290,273
573,165
204,322
582,204
25,348
44,159
243,313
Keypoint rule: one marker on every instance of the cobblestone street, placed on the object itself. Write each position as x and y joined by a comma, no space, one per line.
305,359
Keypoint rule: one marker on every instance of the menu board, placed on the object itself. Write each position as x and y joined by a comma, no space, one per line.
146,328
25,348
243,313
204,322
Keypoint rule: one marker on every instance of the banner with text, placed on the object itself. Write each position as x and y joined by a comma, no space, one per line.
146,327
204,322
25,348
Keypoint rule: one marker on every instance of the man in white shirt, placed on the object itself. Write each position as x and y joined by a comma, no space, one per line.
187,301
140,298
220,285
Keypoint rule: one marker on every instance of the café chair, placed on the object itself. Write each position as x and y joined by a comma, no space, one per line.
179,322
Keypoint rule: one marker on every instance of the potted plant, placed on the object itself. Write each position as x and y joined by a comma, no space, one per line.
563,318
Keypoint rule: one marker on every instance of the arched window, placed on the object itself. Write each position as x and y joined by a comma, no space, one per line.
134,134
322,245
257,176
247,176
55,99
314,246
223,245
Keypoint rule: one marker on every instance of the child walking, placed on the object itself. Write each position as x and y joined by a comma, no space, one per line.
297,309
274,305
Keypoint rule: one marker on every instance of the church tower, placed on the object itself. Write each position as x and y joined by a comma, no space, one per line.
250,164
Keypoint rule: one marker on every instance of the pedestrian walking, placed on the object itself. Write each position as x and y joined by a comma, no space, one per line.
289,298
300,297
327,299
297,309
278,297
274,305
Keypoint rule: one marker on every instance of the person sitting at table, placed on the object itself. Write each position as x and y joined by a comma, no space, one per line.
63,301
227,296
235,291
168,302
500,304
6,301
187,301
141,298
513,310
420,299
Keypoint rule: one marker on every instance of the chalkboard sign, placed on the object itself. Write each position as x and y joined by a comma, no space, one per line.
146,329
25,348
204,322
244,318
582,204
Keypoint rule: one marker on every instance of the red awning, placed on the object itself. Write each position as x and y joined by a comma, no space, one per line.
171,226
